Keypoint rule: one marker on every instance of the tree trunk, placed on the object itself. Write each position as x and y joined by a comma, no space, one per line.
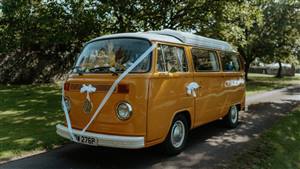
247,66
279,72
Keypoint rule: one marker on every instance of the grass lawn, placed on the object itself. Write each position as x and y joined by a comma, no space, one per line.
276,148
28,115
261,83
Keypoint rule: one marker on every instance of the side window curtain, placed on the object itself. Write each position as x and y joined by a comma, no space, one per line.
214,61
171,59
230,62
205,60
161,62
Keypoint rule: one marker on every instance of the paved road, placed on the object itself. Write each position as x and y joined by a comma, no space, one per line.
210,146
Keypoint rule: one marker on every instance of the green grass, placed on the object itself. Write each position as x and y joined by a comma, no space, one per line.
262,83
28,115
276,148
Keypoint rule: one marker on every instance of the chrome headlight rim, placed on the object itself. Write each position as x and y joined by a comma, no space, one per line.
130,110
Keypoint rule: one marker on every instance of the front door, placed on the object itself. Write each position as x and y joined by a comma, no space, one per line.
167,92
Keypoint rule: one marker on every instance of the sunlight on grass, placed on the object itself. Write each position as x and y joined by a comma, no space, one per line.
261,83
28,115
277,148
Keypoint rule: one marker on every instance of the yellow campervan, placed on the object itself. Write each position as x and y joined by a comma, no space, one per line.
135,90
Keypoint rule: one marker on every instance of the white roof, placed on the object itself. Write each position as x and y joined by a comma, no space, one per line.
196,40
143,35
172,36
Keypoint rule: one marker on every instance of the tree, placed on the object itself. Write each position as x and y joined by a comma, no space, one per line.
265,29
39,39
282,17
240,23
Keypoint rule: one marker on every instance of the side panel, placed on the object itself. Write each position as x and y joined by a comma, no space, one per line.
234,87
167,95
210,98
234,94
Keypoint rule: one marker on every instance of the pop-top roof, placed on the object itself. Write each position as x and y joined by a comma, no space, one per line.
196,40
168,35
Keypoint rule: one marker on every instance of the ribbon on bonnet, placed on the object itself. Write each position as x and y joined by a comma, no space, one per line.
90,88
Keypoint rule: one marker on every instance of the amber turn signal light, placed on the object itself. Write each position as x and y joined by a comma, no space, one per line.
67,86
123,88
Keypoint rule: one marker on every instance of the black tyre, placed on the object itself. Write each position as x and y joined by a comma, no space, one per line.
177,136
232,118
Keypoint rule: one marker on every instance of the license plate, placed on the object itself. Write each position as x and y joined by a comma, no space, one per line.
86,140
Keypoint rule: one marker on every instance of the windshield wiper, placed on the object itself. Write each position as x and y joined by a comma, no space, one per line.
113,71
104,69
78,69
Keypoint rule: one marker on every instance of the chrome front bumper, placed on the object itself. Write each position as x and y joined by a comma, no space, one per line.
106,140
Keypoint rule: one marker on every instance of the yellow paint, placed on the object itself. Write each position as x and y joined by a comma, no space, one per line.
156,97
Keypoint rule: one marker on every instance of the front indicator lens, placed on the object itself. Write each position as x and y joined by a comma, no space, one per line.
124,111
67,103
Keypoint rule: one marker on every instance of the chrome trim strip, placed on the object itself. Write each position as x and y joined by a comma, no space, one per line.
130,142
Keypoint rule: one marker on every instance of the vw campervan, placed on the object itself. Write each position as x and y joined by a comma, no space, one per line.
135,90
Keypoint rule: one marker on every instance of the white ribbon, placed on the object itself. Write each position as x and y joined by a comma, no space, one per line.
67,115
87,89
116,82
190,88
108,94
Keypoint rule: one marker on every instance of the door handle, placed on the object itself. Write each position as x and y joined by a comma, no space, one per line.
163,74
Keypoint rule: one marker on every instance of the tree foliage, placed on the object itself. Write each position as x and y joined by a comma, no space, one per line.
39,39
282,19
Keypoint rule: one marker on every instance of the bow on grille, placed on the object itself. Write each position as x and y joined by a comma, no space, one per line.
87,89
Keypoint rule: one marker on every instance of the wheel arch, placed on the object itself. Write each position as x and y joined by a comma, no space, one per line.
186,113
238,105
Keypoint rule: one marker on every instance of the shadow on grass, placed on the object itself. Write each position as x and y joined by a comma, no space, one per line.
28,115
275,148
209,146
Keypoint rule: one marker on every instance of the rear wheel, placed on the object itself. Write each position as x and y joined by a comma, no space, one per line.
232,118
177,136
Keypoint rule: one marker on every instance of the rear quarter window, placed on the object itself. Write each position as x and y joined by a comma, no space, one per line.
230,62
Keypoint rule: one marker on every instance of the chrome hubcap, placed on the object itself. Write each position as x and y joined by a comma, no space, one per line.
177,134
234,114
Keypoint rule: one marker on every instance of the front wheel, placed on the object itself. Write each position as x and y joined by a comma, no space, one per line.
232,118
177,136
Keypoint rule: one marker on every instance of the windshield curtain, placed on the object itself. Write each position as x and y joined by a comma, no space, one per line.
102,55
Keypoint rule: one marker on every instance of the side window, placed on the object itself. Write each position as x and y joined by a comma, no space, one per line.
205,60
171,59
230,62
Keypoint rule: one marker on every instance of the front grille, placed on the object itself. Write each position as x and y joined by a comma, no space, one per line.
99,88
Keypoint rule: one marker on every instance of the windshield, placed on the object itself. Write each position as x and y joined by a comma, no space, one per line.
119,54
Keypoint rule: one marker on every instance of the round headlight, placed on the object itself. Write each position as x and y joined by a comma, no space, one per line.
67,103
124,111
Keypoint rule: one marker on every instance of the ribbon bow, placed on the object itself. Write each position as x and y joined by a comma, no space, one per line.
87,89
190,89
